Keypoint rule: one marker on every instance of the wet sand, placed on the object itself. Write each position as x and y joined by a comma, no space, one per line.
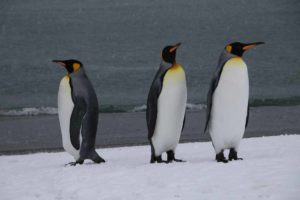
42,133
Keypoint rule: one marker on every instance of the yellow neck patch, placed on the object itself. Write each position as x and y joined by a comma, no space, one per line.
236,62
174,75
175,67
76,67
66,77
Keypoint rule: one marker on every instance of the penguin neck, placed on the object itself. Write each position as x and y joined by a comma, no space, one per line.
165,64
225,55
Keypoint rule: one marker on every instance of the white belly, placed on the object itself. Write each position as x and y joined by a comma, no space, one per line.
170,112
229,106
65,108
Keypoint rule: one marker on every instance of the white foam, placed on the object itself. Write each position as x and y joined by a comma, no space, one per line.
195,107
141,108
189,107
29,111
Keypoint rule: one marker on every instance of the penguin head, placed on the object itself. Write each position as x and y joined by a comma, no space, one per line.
168,54
71,65
238,48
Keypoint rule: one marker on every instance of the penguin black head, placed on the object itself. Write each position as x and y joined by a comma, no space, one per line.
238,48
71,65
168,54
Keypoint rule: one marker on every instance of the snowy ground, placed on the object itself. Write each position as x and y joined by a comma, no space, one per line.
270,170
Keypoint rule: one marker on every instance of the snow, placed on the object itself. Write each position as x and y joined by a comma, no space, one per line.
270,170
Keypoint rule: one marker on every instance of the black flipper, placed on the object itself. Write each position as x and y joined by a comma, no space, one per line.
183,123
213,86
155,90
225,56
247,118
78,113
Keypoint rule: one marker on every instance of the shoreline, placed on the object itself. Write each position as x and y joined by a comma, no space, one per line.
31,134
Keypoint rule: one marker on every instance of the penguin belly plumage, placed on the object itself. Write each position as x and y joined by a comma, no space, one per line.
230,104
170,111
65,109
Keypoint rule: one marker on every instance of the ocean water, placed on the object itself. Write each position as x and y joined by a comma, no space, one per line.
119,43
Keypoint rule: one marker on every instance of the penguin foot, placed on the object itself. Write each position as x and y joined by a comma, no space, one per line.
99,160
233,155
221,158
162,161
171,157
80,162
178,160
157,159
95,157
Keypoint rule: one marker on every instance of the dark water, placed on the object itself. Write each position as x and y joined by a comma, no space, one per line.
120,42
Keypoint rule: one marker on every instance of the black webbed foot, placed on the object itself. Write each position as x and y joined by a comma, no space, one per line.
157,159
178,160
233,155
98,159
221,158
92,155
171,157
80,162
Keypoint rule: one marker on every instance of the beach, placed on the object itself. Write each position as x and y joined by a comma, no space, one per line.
26,134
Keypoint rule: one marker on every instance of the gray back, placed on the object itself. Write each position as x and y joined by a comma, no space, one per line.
154,92
84,118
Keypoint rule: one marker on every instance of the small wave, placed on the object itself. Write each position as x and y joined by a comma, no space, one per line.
195,107
29,111
189,107
141,108
289,101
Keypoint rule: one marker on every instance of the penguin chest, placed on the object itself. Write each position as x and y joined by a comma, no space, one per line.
65,109
170,110
230,105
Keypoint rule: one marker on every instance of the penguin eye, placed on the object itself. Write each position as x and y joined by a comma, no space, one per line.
76,67
228,48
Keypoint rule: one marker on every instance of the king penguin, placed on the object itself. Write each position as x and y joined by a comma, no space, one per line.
78,113
166,107
227,101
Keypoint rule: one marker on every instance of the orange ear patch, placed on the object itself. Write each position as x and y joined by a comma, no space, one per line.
228,48
76,67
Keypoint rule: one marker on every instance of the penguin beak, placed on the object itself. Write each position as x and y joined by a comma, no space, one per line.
61,62
175,47
251,45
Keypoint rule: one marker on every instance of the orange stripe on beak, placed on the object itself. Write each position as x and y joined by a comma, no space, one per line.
59,62
175,47
248,46
251,45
